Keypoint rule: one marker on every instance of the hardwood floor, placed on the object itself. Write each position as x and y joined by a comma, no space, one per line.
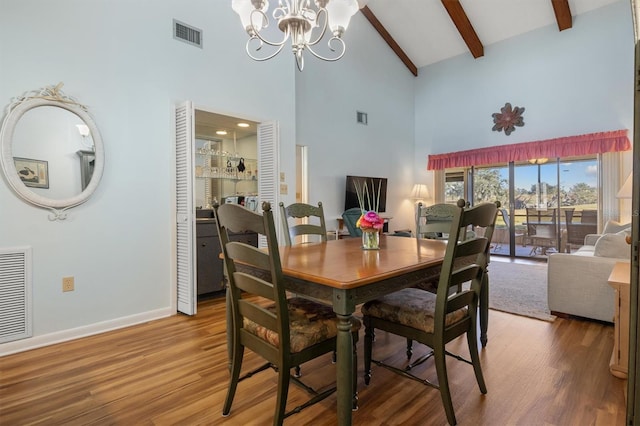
174,371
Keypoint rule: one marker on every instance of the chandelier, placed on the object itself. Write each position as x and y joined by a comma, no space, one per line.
298,21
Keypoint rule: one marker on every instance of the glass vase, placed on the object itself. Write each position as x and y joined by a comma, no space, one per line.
370,239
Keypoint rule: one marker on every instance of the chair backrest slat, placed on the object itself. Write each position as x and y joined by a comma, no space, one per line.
460,300
252,285
248,254
469,247
258,314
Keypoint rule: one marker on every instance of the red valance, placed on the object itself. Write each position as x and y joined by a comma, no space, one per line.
569,146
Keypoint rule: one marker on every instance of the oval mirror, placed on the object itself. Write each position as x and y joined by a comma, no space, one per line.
52,152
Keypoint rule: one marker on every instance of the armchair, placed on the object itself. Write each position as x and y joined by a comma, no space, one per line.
350,218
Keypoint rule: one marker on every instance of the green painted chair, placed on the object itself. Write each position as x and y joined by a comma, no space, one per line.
434,221
436,319
285,332
314,216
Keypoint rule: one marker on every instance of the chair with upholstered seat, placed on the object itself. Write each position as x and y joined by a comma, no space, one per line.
285,332
436,319
314,221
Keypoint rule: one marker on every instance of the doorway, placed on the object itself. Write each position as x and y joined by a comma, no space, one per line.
302,183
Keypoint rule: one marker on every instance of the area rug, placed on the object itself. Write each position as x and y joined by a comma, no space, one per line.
519,288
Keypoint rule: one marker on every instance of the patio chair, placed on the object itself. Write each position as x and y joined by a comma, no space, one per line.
436,319
519,236
577,231
542,229
285,332
306,212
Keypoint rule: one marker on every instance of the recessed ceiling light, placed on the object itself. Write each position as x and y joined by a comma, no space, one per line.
221,132
243,124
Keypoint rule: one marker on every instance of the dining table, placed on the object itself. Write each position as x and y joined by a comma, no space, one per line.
343,274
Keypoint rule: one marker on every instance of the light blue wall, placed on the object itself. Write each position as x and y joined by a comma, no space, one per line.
579,81
119,58
370,78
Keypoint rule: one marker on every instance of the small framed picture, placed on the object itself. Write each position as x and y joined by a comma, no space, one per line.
34,173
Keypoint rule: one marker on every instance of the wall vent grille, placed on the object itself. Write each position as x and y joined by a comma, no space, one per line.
187,33
361,117
15,294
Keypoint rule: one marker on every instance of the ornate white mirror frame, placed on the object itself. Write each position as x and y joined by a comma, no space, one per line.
49,96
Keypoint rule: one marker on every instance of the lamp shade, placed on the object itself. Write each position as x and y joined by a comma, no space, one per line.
419,191
626,190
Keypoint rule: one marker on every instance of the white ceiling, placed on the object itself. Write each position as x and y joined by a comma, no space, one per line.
426,33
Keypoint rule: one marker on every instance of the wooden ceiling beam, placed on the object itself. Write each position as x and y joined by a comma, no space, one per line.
390,41
462,23
563,14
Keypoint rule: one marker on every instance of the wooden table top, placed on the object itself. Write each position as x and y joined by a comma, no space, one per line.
344,264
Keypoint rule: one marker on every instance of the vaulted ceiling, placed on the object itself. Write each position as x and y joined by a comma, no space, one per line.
422,32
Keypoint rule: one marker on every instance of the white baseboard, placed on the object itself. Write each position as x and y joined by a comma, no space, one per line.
84,331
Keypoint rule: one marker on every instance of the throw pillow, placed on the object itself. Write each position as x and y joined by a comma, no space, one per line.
611,227
625,231
612,245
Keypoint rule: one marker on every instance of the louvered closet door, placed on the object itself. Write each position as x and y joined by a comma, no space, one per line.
185,215
268,165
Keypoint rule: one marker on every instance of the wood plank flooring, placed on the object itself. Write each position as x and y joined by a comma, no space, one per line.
174,371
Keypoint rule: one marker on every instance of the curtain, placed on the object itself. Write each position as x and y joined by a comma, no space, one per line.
610,165
570,146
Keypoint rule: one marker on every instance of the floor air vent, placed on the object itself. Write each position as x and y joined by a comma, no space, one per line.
187,33
15,294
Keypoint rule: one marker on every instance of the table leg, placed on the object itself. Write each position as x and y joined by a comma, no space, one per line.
344,364
484,309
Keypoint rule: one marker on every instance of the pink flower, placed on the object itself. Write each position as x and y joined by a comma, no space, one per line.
370,220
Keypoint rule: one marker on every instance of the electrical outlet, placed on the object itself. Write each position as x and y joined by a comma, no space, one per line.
68,284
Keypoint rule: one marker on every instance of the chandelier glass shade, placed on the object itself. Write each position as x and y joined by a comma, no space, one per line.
300,21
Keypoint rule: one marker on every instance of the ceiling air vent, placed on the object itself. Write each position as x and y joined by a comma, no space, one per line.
187,33
361,117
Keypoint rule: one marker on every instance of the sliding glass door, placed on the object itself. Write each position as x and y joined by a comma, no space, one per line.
547,206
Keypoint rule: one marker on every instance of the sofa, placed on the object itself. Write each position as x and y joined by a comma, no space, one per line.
577,283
